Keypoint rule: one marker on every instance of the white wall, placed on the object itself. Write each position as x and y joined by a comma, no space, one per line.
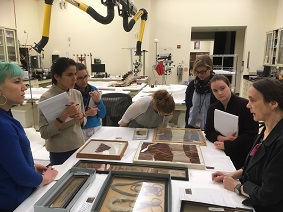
279,20
7,18
175,28
169,21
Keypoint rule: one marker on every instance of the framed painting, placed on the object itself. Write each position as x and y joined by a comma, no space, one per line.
63,195
140,134
131,191
188,206
177,173
170,154
103,149
185,135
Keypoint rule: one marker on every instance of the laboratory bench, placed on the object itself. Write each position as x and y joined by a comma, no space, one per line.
199,180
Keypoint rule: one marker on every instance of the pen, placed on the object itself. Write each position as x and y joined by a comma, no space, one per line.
71,104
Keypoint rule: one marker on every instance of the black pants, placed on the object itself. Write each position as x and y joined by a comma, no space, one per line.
57,158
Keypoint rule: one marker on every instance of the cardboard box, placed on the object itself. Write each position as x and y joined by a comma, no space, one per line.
24,114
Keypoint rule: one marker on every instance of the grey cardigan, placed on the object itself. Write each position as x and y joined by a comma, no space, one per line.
68,138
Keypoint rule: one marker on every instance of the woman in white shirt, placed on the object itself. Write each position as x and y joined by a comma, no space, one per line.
149,111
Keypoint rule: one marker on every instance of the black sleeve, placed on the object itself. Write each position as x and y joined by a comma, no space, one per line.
209,130
188,100
248,129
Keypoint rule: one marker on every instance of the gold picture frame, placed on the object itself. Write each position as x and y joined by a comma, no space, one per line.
183,135
170,154
104,167
127,191
103,149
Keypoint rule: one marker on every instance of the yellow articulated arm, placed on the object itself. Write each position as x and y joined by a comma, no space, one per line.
46,25
95,15
128,10
142,13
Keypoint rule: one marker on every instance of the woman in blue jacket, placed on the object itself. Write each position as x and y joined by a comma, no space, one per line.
94,107
19,176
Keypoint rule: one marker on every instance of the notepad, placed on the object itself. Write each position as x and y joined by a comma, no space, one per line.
54,106
225,123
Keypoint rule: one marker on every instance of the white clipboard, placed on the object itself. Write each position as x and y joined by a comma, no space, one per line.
54,106
225,123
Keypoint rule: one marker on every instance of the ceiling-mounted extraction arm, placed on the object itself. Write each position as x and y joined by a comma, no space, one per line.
127,10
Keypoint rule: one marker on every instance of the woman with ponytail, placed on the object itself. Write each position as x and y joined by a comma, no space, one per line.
150,111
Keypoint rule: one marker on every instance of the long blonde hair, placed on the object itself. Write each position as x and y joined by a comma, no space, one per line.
203,60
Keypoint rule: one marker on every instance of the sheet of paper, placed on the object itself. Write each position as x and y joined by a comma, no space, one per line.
54,106
225,123
213,196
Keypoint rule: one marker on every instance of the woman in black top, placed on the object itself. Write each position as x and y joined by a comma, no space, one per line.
261,177
236,147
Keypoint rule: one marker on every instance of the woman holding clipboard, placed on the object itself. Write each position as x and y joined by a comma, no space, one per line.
235,146
64,135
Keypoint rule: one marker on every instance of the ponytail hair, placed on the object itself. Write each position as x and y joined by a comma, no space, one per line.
163,101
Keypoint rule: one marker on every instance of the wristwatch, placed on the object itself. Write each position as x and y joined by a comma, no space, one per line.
237,188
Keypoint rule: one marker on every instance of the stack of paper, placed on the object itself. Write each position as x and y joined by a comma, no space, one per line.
225,123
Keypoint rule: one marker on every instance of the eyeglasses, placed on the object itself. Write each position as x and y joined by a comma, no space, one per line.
164,114
83,78
201,72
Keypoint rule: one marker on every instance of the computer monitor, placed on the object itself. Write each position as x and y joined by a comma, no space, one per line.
97,68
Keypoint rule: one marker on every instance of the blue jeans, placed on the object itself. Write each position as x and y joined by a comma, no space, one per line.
57,158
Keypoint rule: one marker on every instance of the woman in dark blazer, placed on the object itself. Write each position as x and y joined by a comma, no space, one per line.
236,147
261,177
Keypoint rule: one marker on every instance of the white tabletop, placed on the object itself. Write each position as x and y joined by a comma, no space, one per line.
177,91
117,78
35,93
108,86
213,158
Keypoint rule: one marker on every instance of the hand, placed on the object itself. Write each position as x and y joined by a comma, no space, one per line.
49,175
219,145
95,95
72,110
78,116
230,137
218,176
229,183
92,111
40,168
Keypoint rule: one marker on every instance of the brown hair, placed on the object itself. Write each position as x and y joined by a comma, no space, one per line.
271,90
59,66
163,101
203,60
221,77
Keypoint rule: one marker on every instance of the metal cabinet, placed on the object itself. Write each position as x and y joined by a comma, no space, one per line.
9,50
280,48
271,49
